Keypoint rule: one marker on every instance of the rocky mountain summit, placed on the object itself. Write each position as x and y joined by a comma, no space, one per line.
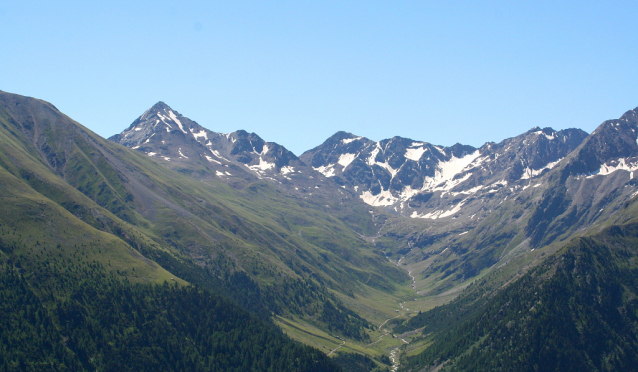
422,180
592,184
412,178
238,159
184,145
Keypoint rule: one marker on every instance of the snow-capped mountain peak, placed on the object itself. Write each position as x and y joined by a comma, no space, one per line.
166,135
400,172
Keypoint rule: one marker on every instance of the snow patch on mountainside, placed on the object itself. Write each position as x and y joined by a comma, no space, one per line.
346,141
164,120
620,164
176,120
408,192
471,191
371,159
212,160
440,213
287,169
264,150
530,173
389,168
383,199
346,159
326,170
455,165
549,137
216,153
436,183
444,176
201,133
262,166
414,153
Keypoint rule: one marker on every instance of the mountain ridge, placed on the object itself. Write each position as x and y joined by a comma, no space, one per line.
255,244
461,186
319,241
240,155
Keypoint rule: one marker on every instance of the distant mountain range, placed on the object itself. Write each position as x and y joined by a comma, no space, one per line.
404,174
340,247
470,195
469,210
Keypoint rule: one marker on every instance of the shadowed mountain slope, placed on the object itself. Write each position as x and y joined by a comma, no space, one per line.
574,312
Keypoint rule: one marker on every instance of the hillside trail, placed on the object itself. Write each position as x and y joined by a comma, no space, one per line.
338,347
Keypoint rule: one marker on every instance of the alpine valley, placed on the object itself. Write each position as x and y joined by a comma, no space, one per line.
173,247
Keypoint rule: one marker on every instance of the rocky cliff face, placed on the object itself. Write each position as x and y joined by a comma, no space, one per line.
532,204
592,184
423,180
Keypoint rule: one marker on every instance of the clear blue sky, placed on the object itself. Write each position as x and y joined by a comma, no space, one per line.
296,72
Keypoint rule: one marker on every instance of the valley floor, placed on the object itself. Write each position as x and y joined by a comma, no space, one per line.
386,312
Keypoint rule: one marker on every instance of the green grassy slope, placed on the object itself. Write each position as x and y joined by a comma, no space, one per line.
83,289
37,227
258,245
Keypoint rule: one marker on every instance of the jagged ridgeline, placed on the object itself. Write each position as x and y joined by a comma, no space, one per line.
531,239
74,201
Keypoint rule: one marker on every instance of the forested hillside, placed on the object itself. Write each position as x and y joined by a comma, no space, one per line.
578,311
65,316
